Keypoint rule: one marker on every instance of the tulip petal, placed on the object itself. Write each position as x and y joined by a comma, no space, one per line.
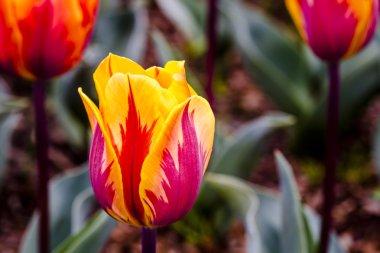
179,87
123,92
334,29
192,91
70,31
40,29
89,110
104,190
366,14
135,110
163,77
11,39
172,173
176,68
105,169
111,65
172,77
180,90
295,11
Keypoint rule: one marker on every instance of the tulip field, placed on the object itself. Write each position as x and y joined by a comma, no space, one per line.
189,126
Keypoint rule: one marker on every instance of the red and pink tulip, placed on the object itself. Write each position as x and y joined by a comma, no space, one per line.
40,39
152,141
335,29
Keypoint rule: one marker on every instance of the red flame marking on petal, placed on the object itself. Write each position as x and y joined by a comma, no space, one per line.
136,141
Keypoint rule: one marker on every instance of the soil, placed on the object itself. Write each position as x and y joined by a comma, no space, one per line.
356,213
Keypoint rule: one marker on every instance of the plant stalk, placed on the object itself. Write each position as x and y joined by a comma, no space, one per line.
212,17
332,138
41,135
148,240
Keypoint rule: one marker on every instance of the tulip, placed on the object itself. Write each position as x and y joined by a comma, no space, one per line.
152,141
334,29
40,39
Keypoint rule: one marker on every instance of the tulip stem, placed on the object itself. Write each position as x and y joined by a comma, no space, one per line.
148,240
41,135
331,150
211,44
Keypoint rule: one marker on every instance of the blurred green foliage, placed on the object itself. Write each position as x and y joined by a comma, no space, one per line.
273,223
70,231
10,107
295,80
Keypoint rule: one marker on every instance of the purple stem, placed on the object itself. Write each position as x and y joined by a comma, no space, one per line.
211,45
148,240
42,163
332,133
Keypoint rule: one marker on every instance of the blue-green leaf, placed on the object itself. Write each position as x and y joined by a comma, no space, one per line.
184,15
294,233
376,148
90,238
7,125
84,205
276,61
123,32
62,192
165,52
242,198
360,80
241,150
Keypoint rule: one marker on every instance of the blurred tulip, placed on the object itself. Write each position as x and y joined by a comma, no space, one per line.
40,39
152,141
335,29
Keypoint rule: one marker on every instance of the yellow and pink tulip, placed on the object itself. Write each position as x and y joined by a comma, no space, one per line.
40,39
153,137
335,29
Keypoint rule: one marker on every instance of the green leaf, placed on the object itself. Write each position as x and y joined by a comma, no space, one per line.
243,149
165,52
180,16
269,223
294,233
183,15
311,245
242,198
219,142
7,125
10,103
68,106
84,205
314,224
376,148
123,32
360,81
263,222
62,192
275,60
263,212
268,220
90,238
138,37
